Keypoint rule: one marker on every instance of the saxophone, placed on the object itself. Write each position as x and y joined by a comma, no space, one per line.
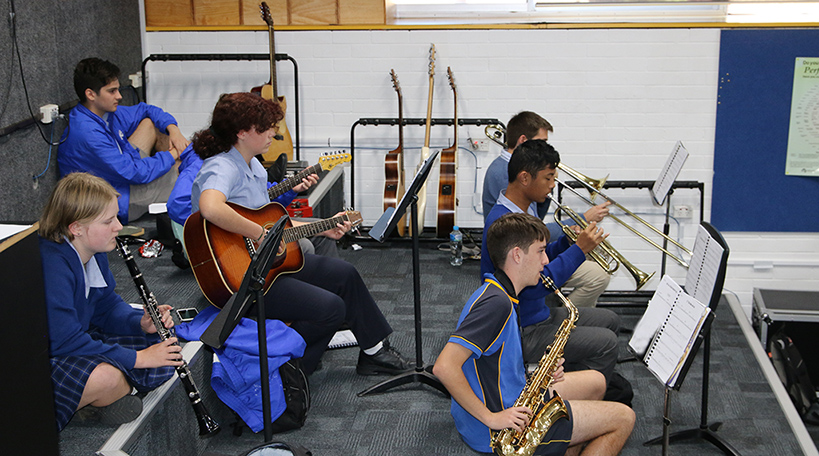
544,412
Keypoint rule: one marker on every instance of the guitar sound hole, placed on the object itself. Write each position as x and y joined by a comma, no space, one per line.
446,190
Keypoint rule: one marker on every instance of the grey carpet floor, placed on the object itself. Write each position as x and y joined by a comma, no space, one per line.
414,419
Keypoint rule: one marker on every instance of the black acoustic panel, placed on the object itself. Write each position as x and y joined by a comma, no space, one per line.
51,36
25,389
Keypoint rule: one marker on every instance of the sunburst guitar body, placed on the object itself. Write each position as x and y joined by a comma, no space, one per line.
220,258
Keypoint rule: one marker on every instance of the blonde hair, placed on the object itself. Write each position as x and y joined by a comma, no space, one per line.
78,197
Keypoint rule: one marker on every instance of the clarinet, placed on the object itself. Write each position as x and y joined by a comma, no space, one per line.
207,426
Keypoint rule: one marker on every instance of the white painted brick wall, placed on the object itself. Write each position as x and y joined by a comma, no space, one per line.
618,99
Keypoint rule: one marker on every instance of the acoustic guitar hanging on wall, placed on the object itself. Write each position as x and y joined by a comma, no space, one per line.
283,143
394,164
422,192
447,199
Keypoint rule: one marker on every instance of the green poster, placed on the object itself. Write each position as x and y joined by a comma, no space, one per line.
803,135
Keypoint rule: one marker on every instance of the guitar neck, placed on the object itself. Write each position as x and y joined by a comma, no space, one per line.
311,229
288,184
273,82
429,113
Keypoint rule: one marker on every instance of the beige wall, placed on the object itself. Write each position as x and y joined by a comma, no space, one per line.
181,13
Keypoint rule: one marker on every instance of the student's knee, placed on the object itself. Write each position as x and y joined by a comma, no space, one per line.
597,384
145,137
107,380
626,417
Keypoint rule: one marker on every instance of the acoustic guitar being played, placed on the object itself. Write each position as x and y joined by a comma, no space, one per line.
283,143
220,258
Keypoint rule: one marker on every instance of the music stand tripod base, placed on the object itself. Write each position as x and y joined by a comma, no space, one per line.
418,375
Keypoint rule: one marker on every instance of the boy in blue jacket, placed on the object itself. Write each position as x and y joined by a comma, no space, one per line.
116,142
532,172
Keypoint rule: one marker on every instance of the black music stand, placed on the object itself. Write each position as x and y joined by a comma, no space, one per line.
252,290
382,228
706,431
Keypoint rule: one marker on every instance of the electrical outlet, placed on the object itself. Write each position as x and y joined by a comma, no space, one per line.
49,112
682,212
481,145
136,79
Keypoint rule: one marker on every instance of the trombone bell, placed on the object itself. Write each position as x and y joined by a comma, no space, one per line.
496,133
597,184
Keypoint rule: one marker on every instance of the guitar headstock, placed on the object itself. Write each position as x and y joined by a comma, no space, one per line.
330,161
432,59
451,78
395,83
354,217
266,17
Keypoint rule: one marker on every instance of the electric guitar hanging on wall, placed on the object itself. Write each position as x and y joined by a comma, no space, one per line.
447,199
283,143
394,164
422,192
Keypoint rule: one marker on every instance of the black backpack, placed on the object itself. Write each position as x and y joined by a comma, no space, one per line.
793,373
296,395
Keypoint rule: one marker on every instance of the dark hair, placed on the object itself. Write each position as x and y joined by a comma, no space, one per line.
525,123
532,156
78,197
515,229
93,73
233,113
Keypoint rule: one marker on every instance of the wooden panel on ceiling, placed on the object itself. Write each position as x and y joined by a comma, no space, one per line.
166,13
216,12
251,14
361,12
314,12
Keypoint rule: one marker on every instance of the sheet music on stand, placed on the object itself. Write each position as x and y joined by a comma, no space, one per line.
704,266
669,173
668,334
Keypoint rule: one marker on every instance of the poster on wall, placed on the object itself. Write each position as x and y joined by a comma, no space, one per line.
803,135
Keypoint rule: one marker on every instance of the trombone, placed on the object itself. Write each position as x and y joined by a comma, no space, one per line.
594,186
604,254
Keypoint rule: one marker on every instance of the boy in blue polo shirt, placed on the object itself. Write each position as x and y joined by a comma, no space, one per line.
482,363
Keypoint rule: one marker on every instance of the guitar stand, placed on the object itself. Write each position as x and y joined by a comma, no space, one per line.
407,121
421,373
230,57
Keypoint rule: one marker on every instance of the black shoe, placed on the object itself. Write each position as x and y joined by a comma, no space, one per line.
123,410
387,360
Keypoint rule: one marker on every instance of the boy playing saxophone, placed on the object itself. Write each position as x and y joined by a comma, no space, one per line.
482,363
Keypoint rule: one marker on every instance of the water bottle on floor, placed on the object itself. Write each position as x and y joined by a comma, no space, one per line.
456,247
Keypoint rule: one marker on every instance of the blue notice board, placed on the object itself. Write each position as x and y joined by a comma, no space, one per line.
751,191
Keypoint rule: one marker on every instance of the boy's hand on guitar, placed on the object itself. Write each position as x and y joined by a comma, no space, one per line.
340,229
306,183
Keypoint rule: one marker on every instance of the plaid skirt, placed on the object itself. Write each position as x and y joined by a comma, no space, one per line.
69,374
